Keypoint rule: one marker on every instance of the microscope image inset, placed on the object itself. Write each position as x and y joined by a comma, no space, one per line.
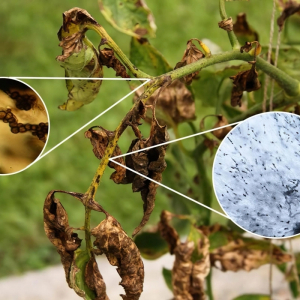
256,174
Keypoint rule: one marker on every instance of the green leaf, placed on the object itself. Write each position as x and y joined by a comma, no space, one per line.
132,17
144,56
151,245
82,64
168,278
77,281
253,297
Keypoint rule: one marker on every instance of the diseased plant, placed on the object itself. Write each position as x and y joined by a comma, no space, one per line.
165,101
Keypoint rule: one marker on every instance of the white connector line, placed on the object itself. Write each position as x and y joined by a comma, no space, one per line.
168,188
80,78
173,141
91,121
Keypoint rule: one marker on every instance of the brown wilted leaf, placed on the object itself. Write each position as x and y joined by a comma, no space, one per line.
244,81
168,233
246,48
122,252
211,145
100,138
94,279
182,271
107,58
221,133
59,232
201,266
191,54
242,29
289,8
72,43
175,104
150,163
242,255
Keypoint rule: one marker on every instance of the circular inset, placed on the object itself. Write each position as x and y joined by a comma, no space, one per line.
23,125
256,174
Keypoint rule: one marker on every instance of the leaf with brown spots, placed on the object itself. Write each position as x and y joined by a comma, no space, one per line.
168,233
243,30
94,279
130,17
121,252
247,254
234,252
244,81
85,277
59,232
191,54
107,58
100,138
290,7
201,262
182,271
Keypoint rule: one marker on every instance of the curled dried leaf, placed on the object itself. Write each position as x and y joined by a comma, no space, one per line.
246,255
289,8
150,163
211,145
175,104
182,271
222,132
107,58
79,59
94,279
167,232
244,81
122,252
243,30
100,138
59,232
191,54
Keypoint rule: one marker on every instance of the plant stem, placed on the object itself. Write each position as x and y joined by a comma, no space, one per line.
280,99
87,228
289,84
209,286
233,39
110,42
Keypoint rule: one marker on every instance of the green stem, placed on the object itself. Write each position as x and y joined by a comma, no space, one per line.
232,37
279,100
209,286
87,228
111,43
289,84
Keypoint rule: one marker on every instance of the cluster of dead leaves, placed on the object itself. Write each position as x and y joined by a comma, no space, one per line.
81,269
150,162
191,264
212,246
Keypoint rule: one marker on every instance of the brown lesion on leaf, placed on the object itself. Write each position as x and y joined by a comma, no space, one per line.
94,279
107,58
242,28
191,54
121,252
59,232
244,81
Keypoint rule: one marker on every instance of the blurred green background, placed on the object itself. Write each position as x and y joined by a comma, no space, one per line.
28,47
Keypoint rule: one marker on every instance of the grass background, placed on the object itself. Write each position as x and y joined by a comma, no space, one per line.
28,47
